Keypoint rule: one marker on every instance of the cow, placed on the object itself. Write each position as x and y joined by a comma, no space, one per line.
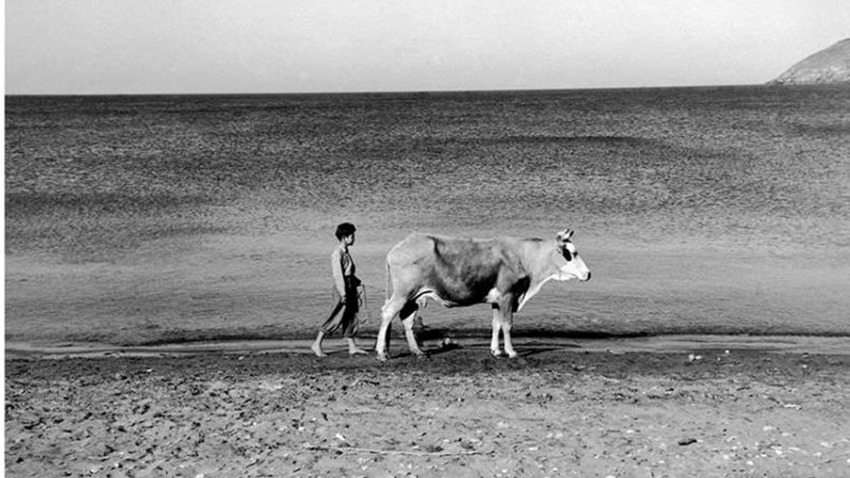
457,272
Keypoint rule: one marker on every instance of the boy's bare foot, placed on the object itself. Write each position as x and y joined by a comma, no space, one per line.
317,349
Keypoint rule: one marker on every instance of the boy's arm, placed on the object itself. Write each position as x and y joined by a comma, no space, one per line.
336,267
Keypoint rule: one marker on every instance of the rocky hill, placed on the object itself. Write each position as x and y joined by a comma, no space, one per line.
829,66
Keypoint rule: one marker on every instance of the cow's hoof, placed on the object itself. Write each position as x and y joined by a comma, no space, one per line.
495,353
381,358
421,356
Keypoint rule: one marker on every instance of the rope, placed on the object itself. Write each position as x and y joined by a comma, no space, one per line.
361,296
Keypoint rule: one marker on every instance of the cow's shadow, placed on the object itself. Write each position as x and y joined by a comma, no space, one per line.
522,352
442,349
436,341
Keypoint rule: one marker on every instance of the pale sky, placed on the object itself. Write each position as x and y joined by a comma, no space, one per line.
291,46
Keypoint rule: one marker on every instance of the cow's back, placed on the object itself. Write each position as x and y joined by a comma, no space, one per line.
419,248
458,270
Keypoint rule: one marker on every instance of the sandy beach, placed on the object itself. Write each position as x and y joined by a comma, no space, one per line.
555,411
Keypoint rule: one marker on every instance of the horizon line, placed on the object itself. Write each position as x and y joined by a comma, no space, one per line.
403,92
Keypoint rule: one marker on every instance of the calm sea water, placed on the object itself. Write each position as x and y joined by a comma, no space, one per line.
144,219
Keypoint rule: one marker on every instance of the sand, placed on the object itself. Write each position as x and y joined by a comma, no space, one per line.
555,411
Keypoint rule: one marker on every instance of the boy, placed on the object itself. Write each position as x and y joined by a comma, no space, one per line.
345,294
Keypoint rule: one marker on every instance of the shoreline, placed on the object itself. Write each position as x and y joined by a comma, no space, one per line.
814,345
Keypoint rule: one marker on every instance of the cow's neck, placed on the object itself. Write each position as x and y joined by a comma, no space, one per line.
540,269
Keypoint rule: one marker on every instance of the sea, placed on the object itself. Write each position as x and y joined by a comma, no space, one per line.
137,220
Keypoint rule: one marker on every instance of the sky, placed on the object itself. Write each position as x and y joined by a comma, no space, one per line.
297,46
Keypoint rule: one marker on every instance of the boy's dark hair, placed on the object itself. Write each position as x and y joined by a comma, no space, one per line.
344,229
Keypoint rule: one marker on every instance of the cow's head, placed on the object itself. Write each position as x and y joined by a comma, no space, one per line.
570,265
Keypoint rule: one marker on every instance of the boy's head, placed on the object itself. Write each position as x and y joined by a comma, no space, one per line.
344,229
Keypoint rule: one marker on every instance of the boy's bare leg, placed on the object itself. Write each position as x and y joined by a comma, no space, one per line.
317,345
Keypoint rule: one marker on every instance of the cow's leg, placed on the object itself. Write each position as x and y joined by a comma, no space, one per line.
392,307
507,319
408,315
497,326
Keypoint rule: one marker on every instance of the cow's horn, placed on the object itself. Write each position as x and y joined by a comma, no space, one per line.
566,234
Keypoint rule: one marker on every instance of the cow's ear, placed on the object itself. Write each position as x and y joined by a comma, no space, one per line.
565,235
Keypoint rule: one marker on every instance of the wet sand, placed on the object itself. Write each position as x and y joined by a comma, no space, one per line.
654,344
558,410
